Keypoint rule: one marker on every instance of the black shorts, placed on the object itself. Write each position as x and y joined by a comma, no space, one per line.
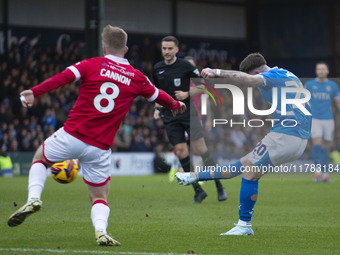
177,126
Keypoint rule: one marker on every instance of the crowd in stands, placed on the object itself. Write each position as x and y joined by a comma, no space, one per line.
24,129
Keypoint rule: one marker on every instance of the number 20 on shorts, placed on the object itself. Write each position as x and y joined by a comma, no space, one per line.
260,149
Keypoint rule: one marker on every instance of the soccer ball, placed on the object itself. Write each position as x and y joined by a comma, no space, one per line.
65,172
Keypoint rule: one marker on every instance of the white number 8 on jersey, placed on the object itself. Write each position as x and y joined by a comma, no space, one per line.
109,97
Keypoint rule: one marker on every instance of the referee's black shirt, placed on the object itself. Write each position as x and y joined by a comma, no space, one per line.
174,77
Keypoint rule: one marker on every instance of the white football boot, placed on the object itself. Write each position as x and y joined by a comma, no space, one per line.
186,178
239,230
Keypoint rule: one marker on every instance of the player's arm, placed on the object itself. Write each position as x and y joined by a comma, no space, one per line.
167,101
182,95
337,103
156,113
234,77
336,96
160,97
65,77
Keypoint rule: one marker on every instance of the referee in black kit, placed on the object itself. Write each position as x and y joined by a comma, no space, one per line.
171,75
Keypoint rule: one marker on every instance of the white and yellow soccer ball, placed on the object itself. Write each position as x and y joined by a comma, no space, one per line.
66,171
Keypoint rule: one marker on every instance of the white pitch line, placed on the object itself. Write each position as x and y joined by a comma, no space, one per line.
84,251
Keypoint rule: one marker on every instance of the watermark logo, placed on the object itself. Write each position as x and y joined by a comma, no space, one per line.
287,102
238,100
212,97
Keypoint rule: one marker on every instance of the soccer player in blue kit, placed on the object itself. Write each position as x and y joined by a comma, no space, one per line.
281,145
323,92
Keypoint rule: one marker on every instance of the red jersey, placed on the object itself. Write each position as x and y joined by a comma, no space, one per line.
109,84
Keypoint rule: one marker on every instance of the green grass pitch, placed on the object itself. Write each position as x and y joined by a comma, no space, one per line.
293,215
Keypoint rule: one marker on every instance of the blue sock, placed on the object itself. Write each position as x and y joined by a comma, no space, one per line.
317,153
248,197
216,173
324,160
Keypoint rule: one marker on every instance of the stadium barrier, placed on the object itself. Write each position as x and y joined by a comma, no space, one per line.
123,163
141,163
132,163
21,162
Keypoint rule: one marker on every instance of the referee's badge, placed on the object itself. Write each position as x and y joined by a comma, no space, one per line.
177,82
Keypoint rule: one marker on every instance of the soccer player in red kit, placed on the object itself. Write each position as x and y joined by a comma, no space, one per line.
109,84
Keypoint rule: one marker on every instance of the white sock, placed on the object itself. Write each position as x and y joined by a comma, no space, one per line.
100,214
244,223
36,180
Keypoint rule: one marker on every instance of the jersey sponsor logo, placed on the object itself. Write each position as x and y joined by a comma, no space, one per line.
121,69
328,88
116,66
160,72
115,76
321,96
177,82
197,72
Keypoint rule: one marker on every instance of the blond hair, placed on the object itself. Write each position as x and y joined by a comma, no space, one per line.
114,38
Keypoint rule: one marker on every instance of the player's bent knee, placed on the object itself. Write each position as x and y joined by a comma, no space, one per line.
181,155
181,150
38,156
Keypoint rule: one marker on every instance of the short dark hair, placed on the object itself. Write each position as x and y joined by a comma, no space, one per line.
170,38
322,63
252,61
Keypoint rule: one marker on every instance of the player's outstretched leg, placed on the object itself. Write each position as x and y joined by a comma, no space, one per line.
221,172
36,181
23,212
186,179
